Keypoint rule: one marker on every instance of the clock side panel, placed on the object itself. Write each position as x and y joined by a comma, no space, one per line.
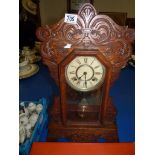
54,108
53,69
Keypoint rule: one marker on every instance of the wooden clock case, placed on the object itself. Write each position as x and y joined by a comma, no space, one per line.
93,35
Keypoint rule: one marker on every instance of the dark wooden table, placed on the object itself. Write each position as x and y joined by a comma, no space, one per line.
57,148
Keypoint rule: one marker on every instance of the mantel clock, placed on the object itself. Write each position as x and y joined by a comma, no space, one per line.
84,59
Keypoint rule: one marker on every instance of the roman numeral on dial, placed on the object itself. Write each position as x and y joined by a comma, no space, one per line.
74,78
91,83
94,79
96,67
78,61
72,72
78,82
92,62
98,73
73,66
85,60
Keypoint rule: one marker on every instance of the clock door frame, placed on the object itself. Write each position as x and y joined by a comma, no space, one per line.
107,80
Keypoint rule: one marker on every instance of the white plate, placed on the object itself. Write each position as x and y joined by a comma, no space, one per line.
28,73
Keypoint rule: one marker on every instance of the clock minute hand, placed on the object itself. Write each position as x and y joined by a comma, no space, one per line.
85,73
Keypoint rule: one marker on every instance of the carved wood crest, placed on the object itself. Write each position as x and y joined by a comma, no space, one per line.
92,31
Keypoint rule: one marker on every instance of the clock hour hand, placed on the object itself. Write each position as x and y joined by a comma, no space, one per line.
85,73
80,77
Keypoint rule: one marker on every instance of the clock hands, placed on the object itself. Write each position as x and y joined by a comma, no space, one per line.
80,76
85,73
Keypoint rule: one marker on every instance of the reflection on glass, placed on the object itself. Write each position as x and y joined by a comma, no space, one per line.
83,106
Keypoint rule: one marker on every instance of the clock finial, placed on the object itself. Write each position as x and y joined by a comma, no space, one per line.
87,12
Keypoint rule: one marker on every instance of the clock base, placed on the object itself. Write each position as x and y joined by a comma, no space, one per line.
83,134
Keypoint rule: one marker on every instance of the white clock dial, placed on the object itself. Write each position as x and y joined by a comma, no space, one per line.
85,73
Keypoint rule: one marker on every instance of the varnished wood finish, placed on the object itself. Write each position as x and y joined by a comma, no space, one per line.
93,35
88,132
62,66
84,134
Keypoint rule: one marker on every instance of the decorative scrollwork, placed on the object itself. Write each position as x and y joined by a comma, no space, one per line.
43,33
87,13
91,31
73,34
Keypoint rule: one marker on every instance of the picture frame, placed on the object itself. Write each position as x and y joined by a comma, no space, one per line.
74,5
119,17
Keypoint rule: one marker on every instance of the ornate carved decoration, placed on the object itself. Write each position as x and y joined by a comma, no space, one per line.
92,31
83,134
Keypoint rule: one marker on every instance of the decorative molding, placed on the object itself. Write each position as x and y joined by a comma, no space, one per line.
92,31
96,35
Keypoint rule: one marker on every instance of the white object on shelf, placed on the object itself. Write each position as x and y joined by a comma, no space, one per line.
22,134
31,107
33,119
23,119
39,108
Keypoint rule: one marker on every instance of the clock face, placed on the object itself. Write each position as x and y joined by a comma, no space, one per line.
85,73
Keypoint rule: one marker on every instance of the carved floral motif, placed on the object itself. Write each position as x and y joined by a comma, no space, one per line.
92,31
